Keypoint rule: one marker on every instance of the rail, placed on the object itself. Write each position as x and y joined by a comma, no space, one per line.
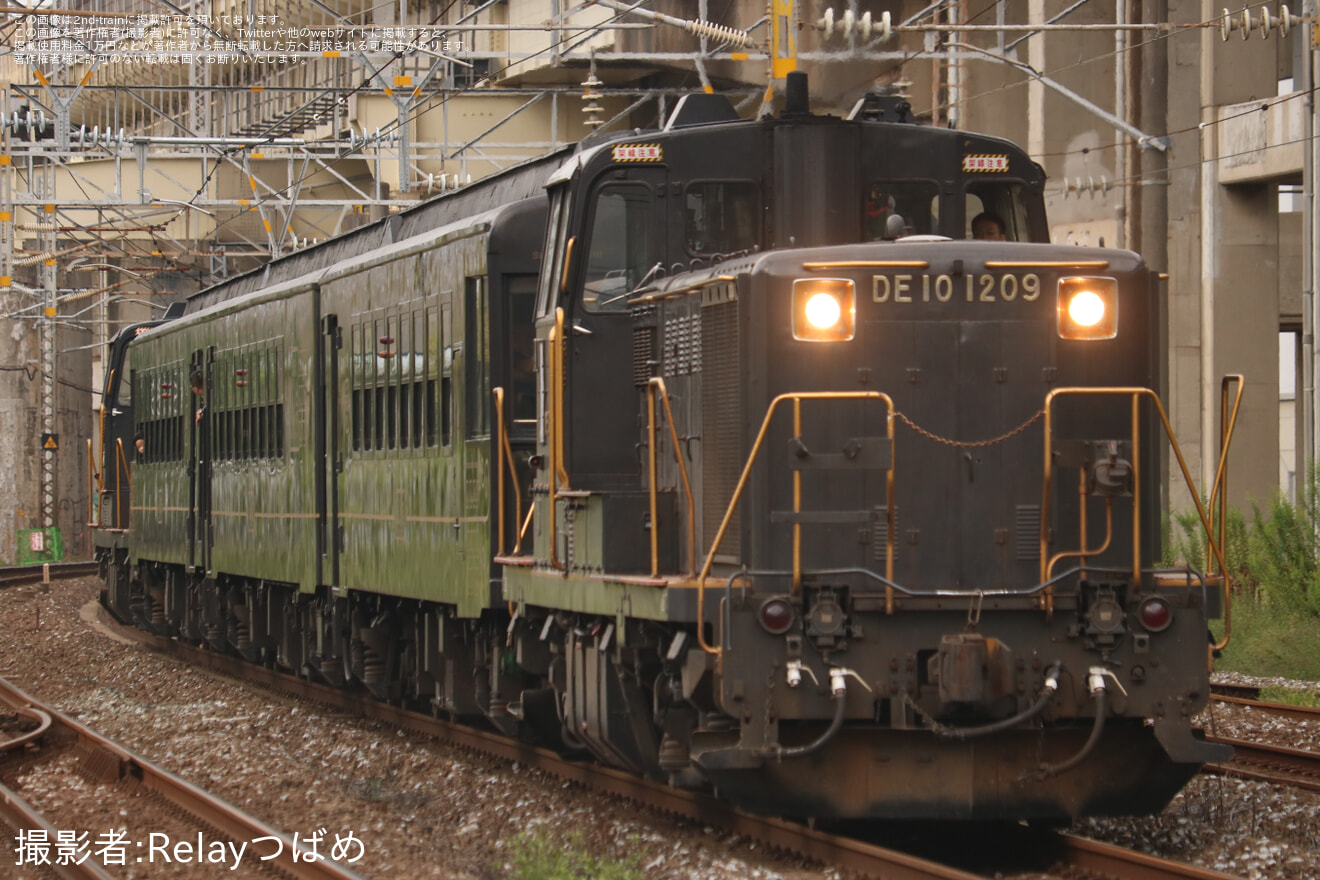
183,795
504,455
797,398
1214,548
653,386
863,858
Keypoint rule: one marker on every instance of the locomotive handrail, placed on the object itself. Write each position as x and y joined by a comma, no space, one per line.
1136,393
504,453
1220,486
121,467
652,386
556,433
94,489
797,398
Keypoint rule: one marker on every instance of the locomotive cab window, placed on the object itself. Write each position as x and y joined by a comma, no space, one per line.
619,249
720,217
898,208
991,204
125,392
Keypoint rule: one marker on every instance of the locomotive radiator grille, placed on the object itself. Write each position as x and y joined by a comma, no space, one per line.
880,532
645,357
1027,528
721,407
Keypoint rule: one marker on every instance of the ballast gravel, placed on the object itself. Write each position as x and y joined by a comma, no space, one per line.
417,808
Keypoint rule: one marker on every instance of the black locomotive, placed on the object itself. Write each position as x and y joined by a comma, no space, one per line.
723,452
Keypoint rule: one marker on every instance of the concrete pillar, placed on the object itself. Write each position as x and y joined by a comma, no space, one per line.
1242,319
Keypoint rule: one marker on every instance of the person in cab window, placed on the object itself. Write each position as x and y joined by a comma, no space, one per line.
139,447
987,226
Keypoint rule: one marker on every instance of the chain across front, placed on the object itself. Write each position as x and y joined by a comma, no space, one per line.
971,444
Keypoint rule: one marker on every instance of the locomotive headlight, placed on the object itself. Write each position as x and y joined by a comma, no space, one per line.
824,309
1088,308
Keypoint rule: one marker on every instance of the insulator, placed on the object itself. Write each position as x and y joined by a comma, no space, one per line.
864,27
589,105
1244,23
718,32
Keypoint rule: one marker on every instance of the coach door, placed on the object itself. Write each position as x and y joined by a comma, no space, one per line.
330,455
199,466
624,248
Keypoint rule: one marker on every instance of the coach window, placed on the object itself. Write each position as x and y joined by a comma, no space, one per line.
894,209
1005,200
720,217
619,247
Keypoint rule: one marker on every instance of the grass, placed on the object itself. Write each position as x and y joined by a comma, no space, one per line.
1269,642
1291,697
1274,559
540,854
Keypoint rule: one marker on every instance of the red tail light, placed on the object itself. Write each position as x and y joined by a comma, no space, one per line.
1156,614
776,616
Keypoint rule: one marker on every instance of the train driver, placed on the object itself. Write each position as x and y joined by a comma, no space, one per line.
988,226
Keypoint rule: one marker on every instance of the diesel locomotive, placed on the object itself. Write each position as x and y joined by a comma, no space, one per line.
722,452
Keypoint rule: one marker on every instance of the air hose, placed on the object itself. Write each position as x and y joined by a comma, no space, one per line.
1047,693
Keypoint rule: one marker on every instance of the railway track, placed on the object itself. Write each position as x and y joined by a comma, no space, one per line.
1076,858
111,763
1298,768
1068,856
1265,763
1283,710
18,575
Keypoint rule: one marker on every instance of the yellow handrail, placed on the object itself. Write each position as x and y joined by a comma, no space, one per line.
1215,547
742,483
504,454
527,521
556,437
121,466
1226,428
93,488
652,386
558,378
